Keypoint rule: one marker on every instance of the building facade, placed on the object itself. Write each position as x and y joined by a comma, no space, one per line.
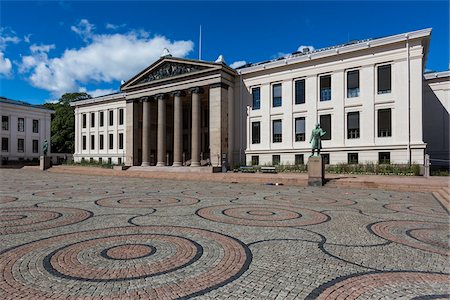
368,95
24,129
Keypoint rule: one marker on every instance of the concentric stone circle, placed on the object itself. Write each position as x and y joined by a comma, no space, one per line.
262,215
365,286
422,210
427,236
301,200
148,262
218,193
71,193
153,201
27,219
7,199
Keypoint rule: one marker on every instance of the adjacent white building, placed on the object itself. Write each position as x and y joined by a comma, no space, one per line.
23,131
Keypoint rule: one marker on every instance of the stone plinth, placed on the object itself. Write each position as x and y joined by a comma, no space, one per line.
316,171
45,163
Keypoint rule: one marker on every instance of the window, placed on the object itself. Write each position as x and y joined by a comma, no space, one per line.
384,157
121,116
21,124
119,160
102,116
300,91
111,141
91,159
277,136
5,145
326,158
384,79
35,146
20,145
299,129
5,123
101,142
35,126
353,125
109,160
384,122
255,160
120,140
352,158
84,120
276,95
84,142
325,88
256,96
111,118
256,132
325,124
353,84
92,142
299,159
100,160
275,160
92,119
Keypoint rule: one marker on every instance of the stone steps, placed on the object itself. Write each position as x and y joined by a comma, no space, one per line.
443,196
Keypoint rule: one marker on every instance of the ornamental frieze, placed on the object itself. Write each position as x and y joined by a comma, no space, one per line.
169,69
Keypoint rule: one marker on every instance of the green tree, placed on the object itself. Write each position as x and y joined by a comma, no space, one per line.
63,122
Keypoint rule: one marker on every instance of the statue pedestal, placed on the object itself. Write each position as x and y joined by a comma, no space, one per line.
316,171
45,163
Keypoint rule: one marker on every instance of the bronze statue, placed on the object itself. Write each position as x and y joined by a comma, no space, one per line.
45,147
316,139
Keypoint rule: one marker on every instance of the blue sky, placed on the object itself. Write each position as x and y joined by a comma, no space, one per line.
51,47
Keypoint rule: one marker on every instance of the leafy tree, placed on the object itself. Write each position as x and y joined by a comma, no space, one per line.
63,122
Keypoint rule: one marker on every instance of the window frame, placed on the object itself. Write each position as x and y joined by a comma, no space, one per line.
353,92
274,158
253,138
384,161
37,146
111,141
120,140
277,137
278,101
35,121
121,116
352,161
353,133
5,128
304,91
299,137
297,159
381,131
256,101
20,123
388,91
101,119
101,141
111,118
7,144
19,150
254,158
84,142
328,132
83,120
322,97
92,142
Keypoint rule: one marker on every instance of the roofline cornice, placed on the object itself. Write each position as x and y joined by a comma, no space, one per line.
99,99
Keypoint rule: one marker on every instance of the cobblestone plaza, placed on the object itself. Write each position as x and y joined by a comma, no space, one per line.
67,236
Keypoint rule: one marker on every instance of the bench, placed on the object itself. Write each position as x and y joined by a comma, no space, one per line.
247,169
268,170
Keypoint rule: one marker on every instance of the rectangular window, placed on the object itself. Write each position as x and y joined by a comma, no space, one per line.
326,158
92,119
119,160
111,118
20,145
35,146
121,116
275,160
384,122
353,125
35,126
101,142
277,136
121,141
109,160
384,157
325,88
84,120
300,91
111,141
5,123
384,79
256,132
353,84
299,159
91,159
256,98
325,124
5,145
255,160
352,158
276,95
100,160
102,117
300,129
21,124
84,142
92,142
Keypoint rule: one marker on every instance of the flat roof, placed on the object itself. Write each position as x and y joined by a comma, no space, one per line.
113,96
23,103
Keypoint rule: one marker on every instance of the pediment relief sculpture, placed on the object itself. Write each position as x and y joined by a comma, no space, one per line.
170,69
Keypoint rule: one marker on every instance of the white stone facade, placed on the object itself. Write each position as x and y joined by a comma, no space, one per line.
23,131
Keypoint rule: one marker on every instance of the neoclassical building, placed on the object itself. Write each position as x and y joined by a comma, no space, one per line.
368,95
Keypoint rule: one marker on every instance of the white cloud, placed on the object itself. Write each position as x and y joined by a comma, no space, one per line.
105,58
27,38
238,64
5,65
300,48
97,92
7,36
84,29
114,26
41,48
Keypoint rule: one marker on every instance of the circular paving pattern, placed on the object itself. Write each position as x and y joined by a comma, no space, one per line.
428,236
381,284
70,193
418,210
146,201
262,215
219,193
299,200
147,261
26,219
7,199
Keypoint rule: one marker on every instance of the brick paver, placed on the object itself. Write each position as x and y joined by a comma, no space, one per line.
71,236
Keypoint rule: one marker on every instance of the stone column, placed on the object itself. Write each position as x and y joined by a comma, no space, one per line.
195,145
230,126
161,146
131,126
145,132
177,129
